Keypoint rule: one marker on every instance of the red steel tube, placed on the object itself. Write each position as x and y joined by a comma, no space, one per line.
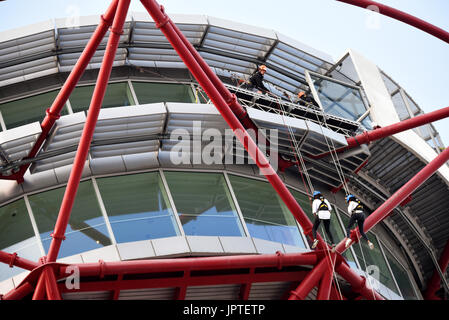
402,16
359,284
434,282
309,281
51,285
206,263
324,289
19,292
404,125
162,21
40,291
89,127
383,132
54,111
14,260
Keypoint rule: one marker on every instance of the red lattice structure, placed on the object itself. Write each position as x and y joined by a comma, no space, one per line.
42,281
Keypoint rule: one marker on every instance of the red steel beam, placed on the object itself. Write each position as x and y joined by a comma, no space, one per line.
163,22
51,285
402,16
197,264
383,132
171,282
309,282
88,130
54,111
434,282
14,260
18,293
324,289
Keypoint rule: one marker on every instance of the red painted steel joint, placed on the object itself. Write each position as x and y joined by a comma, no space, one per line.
280,255
13,259
53,116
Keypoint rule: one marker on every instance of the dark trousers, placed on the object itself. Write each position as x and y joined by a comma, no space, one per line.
327,223
360,218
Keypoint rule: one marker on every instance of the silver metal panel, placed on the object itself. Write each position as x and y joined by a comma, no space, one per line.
173,246
135,250
112,164
234,245
16,144
267,247
107,254
218,292
204,245
269,290
90,295
148,294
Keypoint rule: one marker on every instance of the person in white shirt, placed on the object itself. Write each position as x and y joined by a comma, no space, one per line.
355,210
321,208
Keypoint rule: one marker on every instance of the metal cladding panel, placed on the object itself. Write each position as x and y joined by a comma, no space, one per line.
92,295
148,294
269,290
219,292
16,144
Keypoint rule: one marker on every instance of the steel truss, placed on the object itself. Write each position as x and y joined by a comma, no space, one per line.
46,277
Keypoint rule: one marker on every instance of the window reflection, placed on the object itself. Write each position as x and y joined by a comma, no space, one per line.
338,99
86,229
374,257
20,112
17,235
117,95
402,278
266,216
204,204
148,92
137,207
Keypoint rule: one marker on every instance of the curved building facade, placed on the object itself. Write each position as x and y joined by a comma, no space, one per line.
146,192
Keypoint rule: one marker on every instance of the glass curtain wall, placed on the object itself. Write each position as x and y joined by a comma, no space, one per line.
149,92
204,204
338,99
138,207
17,235
266,216
86,229
27,110
402,277
117,95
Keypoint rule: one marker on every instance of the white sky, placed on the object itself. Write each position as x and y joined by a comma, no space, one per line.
414,59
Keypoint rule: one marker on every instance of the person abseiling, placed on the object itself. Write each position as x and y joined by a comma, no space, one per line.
321,208
356,212
256,80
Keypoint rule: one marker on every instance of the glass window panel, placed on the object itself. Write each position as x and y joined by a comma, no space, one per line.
338,99
400,106
27,110
117,95
367,123
204,204
266,216
86,229
148,92
391,86
17,235
374,257
138,207
402,278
